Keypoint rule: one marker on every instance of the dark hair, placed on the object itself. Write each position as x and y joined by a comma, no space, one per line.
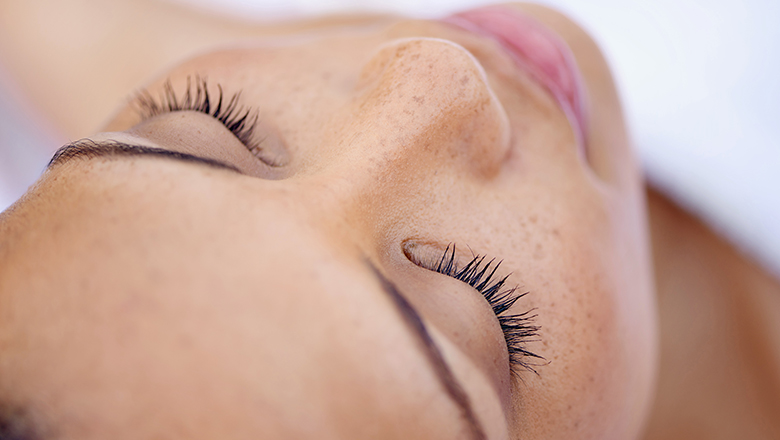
16,424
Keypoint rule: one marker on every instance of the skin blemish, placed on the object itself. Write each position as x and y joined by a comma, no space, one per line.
538,252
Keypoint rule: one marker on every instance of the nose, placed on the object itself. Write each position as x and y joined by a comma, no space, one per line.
422,121
428,102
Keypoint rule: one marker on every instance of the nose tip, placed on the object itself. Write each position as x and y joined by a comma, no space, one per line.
432,96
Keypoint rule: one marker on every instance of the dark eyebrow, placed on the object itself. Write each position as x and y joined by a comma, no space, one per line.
443,372
17,424
88,149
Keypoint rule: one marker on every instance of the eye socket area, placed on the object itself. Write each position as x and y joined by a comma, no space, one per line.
480,273
243,122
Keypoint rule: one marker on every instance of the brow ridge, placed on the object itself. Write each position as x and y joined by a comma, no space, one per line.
434,355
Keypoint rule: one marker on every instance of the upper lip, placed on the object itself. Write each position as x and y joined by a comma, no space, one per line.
535,49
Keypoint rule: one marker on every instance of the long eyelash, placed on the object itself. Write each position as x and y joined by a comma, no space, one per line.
518,328
240,120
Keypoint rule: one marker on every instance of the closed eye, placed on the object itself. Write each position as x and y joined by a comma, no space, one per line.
240,120
480,273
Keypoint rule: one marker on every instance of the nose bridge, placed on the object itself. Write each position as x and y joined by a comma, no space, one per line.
423,116
428,100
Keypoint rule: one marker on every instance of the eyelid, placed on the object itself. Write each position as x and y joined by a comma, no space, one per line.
242,121
519,329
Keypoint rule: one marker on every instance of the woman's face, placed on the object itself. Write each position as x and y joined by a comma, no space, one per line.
286,283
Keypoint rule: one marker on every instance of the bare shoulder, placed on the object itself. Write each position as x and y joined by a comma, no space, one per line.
720,334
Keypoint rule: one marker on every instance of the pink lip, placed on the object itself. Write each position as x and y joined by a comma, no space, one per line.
537,50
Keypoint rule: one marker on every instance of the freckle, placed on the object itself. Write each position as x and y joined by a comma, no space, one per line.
419,99
533,219
538,252
464,80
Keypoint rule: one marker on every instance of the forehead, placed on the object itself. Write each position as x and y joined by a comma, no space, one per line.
128,319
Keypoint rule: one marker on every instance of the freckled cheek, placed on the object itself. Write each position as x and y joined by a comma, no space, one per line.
586,382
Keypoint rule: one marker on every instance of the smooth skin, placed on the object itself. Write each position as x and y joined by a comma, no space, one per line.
146,298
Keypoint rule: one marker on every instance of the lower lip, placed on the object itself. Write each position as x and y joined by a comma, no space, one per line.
535,49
